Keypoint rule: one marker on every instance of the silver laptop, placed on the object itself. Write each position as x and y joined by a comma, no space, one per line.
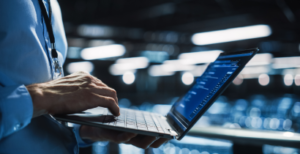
184,113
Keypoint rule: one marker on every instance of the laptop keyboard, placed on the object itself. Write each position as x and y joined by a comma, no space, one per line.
135,119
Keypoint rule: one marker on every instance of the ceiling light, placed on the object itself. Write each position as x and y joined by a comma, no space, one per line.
80,66
199,70
133,63
158,70
128,78
264,79
260,59
288,79
187,78
128,64
232,34
255,70
250,76
297,80
176,65
286,62
101,52
200,57
114,70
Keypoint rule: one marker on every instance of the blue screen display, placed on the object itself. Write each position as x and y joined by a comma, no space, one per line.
205,87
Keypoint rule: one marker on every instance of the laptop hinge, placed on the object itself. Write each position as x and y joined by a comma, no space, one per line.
174,129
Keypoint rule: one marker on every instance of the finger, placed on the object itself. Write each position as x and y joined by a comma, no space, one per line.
98,81
142,141
89,81
103,101
106,91
159,142
125,137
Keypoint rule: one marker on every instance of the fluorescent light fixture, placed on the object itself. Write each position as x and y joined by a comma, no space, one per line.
176,65
250,76
101,52
115,70
80,66
158,70
128,64
286,62
200,57
288,134
232,34
170,66
260,59
255,70
199,70
133,63
291,71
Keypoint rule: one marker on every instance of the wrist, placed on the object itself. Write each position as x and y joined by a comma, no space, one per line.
36,93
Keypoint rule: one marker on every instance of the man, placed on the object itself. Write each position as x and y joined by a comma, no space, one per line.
28,95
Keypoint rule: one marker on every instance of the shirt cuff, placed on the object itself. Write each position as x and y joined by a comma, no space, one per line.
80,141
16,109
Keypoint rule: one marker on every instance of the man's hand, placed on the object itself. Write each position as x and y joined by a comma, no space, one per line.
102,134
72,93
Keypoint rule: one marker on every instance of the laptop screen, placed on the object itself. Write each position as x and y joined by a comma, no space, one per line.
206,88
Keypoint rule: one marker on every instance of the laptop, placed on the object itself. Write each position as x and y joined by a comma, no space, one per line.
185,112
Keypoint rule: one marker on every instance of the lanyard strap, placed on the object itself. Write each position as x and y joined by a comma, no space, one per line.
49,26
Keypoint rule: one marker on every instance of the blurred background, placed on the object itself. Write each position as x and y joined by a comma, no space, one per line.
151,51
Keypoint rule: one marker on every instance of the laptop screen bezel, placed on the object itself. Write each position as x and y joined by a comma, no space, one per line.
174,124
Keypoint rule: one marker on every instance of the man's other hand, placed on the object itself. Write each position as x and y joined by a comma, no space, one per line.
102,134
72,93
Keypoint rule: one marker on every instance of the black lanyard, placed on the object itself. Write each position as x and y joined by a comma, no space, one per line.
57,67
49,26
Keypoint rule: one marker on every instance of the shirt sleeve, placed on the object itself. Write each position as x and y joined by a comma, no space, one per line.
16,109
80,142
